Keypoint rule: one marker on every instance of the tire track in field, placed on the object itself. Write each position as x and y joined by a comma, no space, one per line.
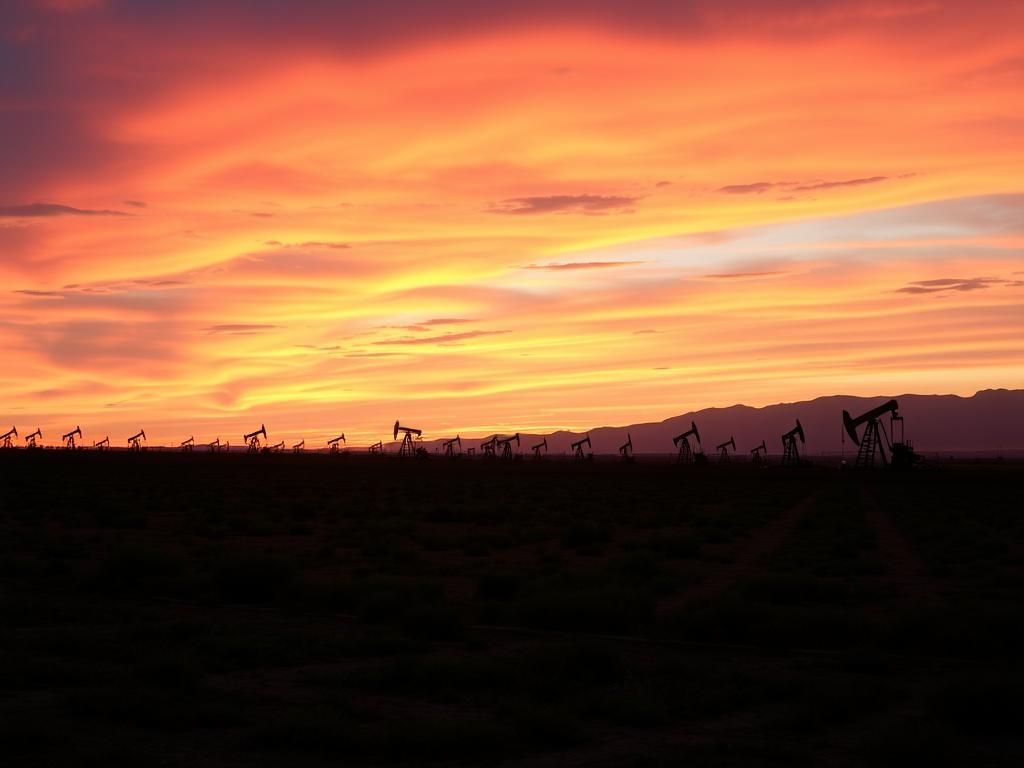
905,567
751,551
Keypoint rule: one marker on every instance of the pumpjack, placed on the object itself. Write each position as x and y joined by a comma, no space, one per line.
506,445
277,448
299,446
334,443
69,438
449,446
214,446
471,451
577,449
875,438
377,447
791,454
626,449
686,454
488,446
253,438
134,441
31,439
723,450
7,438
408,447
543,444
187,445
103,444
759,454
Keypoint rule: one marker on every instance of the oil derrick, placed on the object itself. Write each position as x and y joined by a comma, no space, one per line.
214,446
299,447
333,444
626,449
449,447
759,455
253,439
723,450
103,444
187,445
408,447
791,454
134,442
488,446
69,438
377,448
506,446
543,444
31,439
875,438
577,449
7,438
686,453
276,448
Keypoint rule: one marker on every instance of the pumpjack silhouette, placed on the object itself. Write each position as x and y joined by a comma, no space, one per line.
723,450
187,445
626,449
134,442
687,455
577,449
449,447
103,444
506,446
299,447
334,444
30,440
6,438
543,444
791,453
69,438
875,438
408,447
253,439
759,455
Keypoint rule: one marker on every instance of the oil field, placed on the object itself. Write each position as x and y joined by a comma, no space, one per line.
217,608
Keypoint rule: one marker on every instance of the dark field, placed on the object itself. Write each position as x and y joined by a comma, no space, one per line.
315,610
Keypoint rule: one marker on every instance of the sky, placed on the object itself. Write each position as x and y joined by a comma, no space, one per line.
496,217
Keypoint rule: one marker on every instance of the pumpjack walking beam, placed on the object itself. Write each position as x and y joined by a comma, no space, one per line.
253,438
135,441
875,438
791,453
687,455
543,444
6,438
723,450
408,447
449,446
577,449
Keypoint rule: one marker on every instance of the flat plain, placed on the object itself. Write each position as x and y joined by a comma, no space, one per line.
216,610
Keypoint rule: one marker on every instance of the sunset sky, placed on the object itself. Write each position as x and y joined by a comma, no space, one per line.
480,217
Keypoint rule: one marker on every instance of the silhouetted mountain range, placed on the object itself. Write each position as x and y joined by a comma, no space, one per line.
989,421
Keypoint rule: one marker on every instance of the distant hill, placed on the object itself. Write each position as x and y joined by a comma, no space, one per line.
989,421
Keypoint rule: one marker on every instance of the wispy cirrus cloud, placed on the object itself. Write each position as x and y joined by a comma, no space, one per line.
760,187
447,338
594,205
237,329
572,266
939,285
43,210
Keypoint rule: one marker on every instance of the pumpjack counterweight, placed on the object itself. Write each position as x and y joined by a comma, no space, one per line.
791,453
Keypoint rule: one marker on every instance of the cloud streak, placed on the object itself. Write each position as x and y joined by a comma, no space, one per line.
579,204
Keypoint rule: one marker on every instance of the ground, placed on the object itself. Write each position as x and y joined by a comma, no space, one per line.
216,610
